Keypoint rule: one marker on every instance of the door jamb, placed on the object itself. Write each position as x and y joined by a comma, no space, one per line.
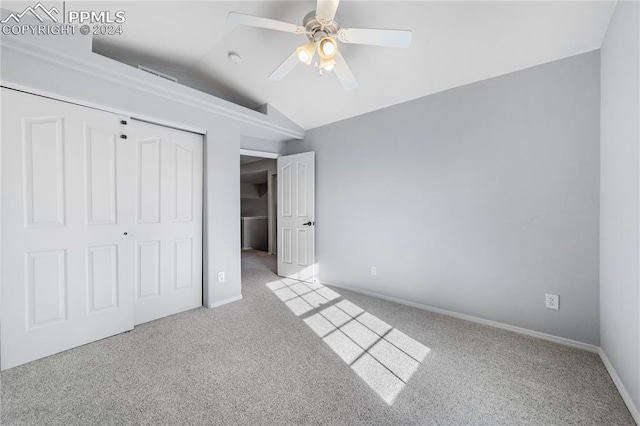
263,154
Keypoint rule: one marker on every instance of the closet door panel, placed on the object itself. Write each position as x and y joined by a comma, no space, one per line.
66,263
177,228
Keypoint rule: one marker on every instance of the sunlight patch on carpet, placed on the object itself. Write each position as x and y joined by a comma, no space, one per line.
301,297
382,356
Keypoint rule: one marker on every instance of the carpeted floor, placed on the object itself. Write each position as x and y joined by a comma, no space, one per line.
255,362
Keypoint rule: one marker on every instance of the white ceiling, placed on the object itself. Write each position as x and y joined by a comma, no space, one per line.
454,43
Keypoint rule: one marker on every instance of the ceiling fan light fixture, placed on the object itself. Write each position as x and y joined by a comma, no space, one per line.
327,64
327,48
306,52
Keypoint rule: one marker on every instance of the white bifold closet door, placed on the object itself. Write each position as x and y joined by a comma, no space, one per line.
168,221
98,232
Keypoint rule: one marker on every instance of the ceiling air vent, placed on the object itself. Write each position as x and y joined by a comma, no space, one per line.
157,73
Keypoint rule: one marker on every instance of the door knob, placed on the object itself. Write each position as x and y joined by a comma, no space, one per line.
308,223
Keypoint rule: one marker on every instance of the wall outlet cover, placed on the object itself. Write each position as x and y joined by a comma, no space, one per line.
221,277
552,301
374,270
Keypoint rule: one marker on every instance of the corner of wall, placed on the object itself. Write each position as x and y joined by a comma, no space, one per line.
628,400
620,202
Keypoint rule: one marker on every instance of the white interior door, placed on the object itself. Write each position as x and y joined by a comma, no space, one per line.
167,230
66,265
296,216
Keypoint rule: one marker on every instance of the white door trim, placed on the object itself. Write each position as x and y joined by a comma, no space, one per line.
263,154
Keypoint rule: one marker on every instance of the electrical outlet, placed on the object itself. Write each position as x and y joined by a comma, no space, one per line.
374,270
221,277
552,301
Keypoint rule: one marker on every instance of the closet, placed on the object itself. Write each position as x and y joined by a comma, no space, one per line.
101,224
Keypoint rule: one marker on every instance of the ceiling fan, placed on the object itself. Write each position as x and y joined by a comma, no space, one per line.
322,32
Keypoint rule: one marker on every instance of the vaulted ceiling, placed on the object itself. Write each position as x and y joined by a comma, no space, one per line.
454,43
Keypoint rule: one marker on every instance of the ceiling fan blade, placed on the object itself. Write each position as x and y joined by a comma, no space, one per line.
343,72
326,9
286,67
375,37
256,21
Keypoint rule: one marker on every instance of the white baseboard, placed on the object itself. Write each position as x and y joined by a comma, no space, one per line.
635,413
525,331
225,301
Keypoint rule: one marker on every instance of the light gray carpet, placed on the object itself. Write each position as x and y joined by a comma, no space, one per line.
255,362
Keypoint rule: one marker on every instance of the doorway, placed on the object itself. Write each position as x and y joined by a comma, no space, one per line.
290,182
258,199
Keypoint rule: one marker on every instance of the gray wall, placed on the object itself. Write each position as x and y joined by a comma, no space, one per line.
255,233
254,206
266,164
264,145
477,200
619,198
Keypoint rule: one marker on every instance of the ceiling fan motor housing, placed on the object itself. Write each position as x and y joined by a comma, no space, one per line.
317,29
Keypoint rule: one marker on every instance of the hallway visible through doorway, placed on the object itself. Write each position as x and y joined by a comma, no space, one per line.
258,204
